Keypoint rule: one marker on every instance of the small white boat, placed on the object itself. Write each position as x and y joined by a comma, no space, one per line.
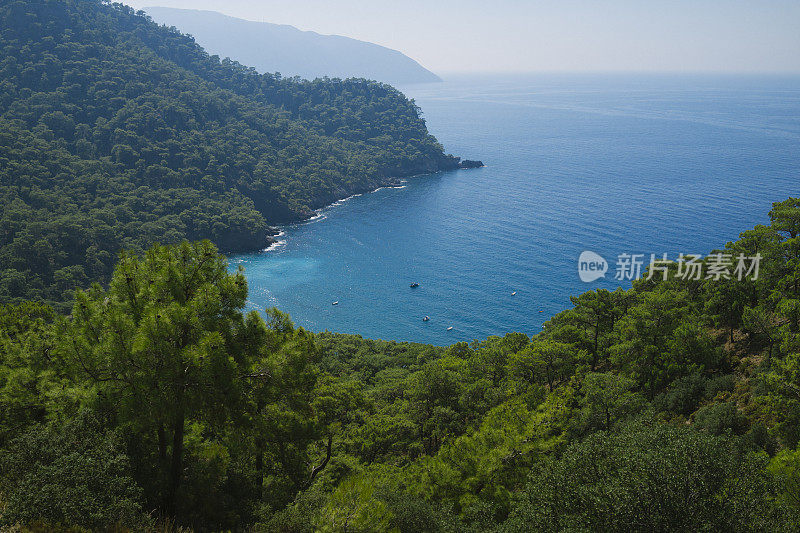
514,293
335,303
451,327
426,318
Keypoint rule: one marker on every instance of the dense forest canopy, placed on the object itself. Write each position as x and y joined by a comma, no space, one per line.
669,406
154,402
117,133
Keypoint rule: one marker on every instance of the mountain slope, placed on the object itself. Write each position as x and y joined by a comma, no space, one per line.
668,406
116,133
285,49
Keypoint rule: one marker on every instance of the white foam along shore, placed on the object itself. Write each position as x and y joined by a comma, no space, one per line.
278,242
320,214
390,187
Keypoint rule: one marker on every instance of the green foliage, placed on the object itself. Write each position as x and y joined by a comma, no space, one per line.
412,513
785,466
215,408
684,396
607,398
649,349
166,342
158,393
589,325
474,474
637,409
649,479
353,508
116,133
71,475
782,383
720,418
547,362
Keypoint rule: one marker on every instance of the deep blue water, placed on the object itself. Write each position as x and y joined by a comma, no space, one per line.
609,163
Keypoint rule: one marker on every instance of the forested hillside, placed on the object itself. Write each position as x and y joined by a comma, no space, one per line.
137,395
118,133
669,406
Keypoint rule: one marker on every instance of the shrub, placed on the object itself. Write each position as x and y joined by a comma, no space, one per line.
74,475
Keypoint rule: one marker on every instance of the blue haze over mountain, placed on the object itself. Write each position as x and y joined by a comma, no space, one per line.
290,51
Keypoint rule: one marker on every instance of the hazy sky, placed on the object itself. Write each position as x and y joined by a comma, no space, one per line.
565,35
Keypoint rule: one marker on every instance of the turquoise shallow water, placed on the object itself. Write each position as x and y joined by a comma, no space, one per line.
609,163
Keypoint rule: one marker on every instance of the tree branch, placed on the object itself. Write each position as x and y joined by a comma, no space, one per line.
317,469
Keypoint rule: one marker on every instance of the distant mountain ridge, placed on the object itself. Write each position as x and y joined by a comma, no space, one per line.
292,52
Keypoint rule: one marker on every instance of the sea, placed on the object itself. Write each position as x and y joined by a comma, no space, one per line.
621,165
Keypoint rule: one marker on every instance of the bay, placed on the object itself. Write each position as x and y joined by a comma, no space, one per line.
612,163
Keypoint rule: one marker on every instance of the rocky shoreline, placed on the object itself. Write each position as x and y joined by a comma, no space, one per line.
275,231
